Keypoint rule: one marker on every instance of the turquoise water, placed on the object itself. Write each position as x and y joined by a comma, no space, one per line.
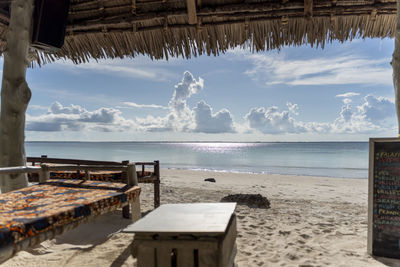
331,159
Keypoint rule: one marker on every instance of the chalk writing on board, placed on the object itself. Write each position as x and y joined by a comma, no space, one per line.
386,199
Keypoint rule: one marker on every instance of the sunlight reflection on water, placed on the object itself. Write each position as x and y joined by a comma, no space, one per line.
218,147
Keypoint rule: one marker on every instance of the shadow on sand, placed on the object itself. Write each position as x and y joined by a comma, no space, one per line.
388,261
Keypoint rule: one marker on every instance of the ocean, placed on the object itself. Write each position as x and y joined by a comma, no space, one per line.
329,159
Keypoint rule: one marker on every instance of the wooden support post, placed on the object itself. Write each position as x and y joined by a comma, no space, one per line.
15,94
44,174
87,175
123,174
78,173
135,209
396,66
131,174
192,13
157,184
135,204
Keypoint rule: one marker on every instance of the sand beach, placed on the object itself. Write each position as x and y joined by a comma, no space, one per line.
313,221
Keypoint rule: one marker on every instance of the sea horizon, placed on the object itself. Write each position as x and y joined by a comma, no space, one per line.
71,141
327,159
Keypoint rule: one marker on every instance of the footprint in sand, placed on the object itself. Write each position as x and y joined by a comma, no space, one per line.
247,253
251,233
285,233
305,236
292,256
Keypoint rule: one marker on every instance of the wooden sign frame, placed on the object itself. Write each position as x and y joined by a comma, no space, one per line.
372,175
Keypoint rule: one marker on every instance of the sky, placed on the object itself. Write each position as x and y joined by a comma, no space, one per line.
343,92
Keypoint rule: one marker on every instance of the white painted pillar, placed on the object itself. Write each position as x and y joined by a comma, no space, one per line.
15,93
396,66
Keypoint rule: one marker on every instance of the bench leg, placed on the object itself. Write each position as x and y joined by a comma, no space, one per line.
135,209
156,194
126,212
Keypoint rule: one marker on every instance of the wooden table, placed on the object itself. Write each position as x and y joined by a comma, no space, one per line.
200,234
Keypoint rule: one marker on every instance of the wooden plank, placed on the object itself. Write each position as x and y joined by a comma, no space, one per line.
87,168
163,257
20,169
193,218
192,13
186,257
82,162
228,243
180,244
146,257
71,161
208,257
370,194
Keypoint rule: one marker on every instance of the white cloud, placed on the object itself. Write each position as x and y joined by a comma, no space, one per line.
347,95
77,118
293,108
57,108
273,121
377,109
207,122
347,100
181,118
374,114
37,107
135,105
341,69
142,69
183,90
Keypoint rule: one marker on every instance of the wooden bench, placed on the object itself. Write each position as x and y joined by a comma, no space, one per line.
186,235
36,213
143,175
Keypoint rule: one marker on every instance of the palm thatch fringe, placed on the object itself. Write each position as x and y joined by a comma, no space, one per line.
189,41
160,29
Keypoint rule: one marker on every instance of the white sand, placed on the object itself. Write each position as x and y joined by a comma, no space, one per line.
312,222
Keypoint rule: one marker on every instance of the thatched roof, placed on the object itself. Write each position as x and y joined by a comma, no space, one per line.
118,28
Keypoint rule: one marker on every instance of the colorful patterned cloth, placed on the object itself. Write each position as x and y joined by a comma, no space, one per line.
27,212
105,176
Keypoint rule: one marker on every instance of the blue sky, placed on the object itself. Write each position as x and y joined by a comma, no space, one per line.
342,92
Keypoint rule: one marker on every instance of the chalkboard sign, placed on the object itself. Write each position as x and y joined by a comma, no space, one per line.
384,197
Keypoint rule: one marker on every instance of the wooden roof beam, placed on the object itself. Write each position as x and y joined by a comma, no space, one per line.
308,8
192,12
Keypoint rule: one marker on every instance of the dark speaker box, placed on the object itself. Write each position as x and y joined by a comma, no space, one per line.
49,24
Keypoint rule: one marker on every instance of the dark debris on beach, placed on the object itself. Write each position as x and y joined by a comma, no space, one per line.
250,200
